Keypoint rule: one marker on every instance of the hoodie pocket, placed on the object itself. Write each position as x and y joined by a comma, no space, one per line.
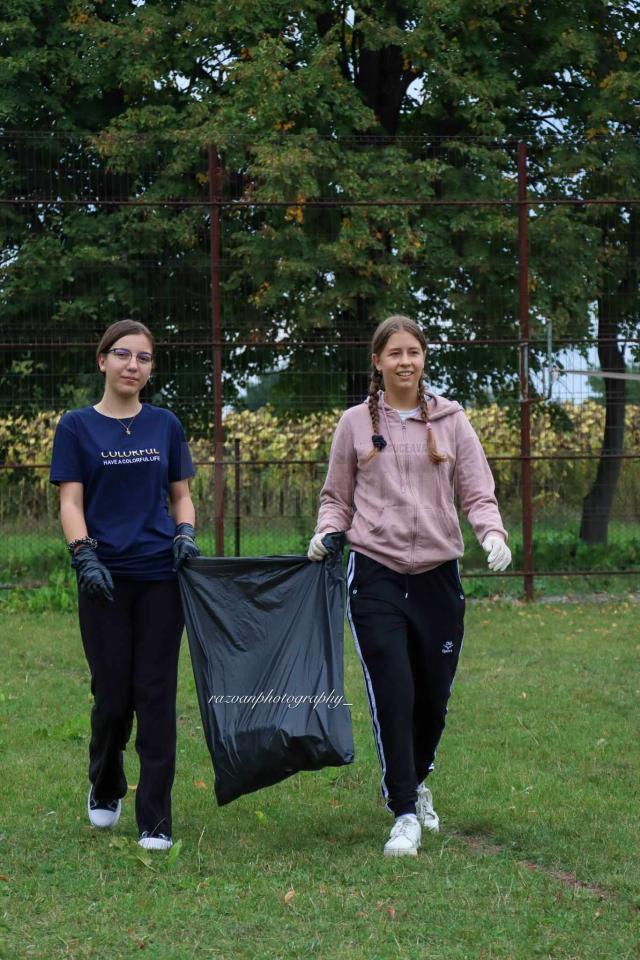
392,526
436,529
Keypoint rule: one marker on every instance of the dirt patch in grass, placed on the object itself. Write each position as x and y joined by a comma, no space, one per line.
483,846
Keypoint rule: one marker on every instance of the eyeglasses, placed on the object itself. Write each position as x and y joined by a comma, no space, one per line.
122,353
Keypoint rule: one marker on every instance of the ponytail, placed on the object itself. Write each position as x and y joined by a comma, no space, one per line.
434,456
375,385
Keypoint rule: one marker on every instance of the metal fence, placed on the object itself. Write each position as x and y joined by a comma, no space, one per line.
263,278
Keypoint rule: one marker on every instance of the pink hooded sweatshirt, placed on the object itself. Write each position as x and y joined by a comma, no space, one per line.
399,507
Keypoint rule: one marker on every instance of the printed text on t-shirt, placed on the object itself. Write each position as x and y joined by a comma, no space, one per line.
112,457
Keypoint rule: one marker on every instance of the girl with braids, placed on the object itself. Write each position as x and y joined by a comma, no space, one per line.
397,461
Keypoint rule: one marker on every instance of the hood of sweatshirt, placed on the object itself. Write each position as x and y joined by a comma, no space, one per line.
439,407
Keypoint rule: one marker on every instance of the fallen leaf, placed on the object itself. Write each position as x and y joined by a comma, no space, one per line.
139,942
289,895
200,784
119,843
173,854
145,857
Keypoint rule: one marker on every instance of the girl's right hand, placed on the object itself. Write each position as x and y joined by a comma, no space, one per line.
317,550
93,577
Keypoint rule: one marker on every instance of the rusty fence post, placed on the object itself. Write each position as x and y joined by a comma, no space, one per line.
526,479
237,518
216,316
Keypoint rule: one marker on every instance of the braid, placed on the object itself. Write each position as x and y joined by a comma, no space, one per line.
431,443
375,384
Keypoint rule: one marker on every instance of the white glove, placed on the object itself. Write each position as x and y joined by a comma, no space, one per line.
499,554
317,550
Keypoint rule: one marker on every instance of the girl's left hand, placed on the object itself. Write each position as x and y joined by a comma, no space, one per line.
184,545
499,554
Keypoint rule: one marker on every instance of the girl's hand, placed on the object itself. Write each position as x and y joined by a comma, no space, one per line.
317,550
93,577
499,554
184,545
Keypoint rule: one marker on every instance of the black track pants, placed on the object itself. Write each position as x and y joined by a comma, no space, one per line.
132,648
408,631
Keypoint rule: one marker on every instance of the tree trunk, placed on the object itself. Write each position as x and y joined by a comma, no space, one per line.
382,80
596,506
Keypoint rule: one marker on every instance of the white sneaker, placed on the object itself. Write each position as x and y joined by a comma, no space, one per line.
424,809
404,839
158,841
104,814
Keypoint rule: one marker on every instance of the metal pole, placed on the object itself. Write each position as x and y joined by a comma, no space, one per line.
525,399
216,314
236,453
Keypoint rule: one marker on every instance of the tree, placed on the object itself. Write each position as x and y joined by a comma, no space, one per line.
68,271
322,101
277,91
600,125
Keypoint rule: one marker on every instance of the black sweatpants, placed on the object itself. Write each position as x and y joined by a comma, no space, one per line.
408,631
132,648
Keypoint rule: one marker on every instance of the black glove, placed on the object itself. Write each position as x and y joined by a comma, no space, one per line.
184,545
93,577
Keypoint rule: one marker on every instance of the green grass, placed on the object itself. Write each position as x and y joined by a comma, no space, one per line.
536,782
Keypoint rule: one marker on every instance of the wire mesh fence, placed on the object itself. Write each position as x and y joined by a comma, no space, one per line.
263,269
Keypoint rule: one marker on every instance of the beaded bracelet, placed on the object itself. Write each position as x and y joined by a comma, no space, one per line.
90,542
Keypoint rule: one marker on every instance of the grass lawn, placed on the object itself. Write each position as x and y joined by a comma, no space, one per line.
536,786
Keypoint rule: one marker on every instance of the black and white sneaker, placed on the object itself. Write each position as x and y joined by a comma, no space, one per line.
103,813
155,841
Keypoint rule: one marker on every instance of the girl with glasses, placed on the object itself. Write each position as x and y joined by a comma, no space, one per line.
396,462
126,511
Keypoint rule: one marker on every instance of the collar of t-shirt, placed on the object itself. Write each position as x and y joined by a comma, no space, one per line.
405,414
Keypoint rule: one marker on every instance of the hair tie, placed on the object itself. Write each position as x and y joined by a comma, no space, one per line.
428,425
378,441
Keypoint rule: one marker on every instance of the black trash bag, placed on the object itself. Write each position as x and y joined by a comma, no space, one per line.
260,630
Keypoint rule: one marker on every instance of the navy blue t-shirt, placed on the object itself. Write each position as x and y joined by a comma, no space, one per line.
126,484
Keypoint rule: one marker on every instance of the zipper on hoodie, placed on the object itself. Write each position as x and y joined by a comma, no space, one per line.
404,479
415,506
